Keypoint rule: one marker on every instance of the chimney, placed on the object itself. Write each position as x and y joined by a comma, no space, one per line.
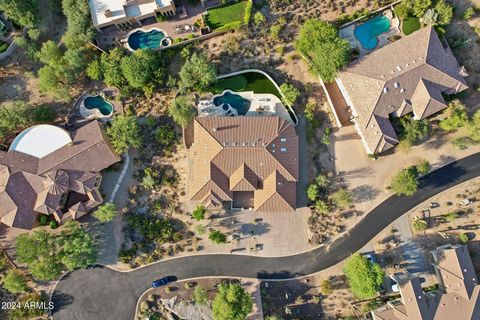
108,13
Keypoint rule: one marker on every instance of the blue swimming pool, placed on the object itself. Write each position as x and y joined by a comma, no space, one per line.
146,39
98,102
234,100
368,32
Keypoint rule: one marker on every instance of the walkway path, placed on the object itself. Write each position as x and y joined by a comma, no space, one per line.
102,293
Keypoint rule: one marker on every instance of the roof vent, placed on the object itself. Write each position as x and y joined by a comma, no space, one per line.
385,90
398,68
214,129
402,90
244,144
396,85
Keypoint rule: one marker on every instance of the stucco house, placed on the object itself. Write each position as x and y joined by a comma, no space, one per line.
107,13
244,162
408,76
48,170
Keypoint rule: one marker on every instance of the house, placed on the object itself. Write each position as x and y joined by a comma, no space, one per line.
458,296
408,76
129,13
244,162
48,170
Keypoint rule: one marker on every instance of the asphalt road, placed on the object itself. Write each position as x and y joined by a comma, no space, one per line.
101,293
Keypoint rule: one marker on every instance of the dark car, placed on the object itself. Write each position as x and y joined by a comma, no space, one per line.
160,282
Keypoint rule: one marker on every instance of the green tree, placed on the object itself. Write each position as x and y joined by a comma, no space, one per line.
275,31
106,212
342,198
182,111
420,7
199,213
28,313
232,302
258,18
13,117
124,133
402,11
94,70
200,295
455,117
79,26
77,247
290,93
198,73
423,167
144,70
313,192
217,237
319,41
15,282
405,182
111,68
43,114
414,130
444,11
23,12
364,277
50,53
46,268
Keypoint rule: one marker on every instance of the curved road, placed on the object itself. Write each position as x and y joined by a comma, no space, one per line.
102,293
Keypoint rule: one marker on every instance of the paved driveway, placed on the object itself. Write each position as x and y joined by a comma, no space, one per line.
100,293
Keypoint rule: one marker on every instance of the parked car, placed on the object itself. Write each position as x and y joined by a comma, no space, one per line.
160,282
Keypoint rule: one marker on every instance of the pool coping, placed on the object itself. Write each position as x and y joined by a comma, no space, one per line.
236,73
146,31
94,114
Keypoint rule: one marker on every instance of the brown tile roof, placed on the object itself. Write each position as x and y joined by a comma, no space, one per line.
458,298
231,154
29,185
413,70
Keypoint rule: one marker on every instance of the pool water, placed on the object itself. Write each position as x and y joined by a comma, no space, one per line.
368,32
98,102
146,40
235,101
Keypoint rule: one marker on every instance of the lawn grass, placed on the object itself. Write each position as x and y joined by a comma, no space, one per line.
410,25
232,13
251,81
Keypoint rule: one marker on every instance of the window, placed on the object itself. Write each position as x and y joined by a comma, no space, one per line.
283,149
283,139
98,180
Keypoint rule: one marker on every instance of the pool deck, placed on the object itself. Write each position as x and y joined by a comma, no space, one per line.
75,116
261,105
383,39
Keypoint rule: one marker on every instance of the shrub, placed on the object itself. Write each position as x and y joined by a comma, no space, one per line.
423,167
217,237
199,213
364,277
325,287
342,198
15,282
451,216
469,13
43,220
419,225
405,182
313,192
258,18
290,93
200,295
105,212
53,224
463,237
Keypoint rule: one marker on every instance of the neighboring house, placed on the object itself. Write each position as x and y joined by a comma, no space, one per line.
48,170
244,162
407,76
458,296
123,13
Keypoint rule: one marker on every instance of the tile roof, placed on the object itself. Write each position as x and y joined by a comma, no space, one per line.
411,72
239,154
458,298
29,185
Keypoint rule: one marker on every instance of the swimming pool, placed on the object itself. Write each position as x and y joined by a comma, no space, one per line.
368,32
152,39
236,101
98,102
